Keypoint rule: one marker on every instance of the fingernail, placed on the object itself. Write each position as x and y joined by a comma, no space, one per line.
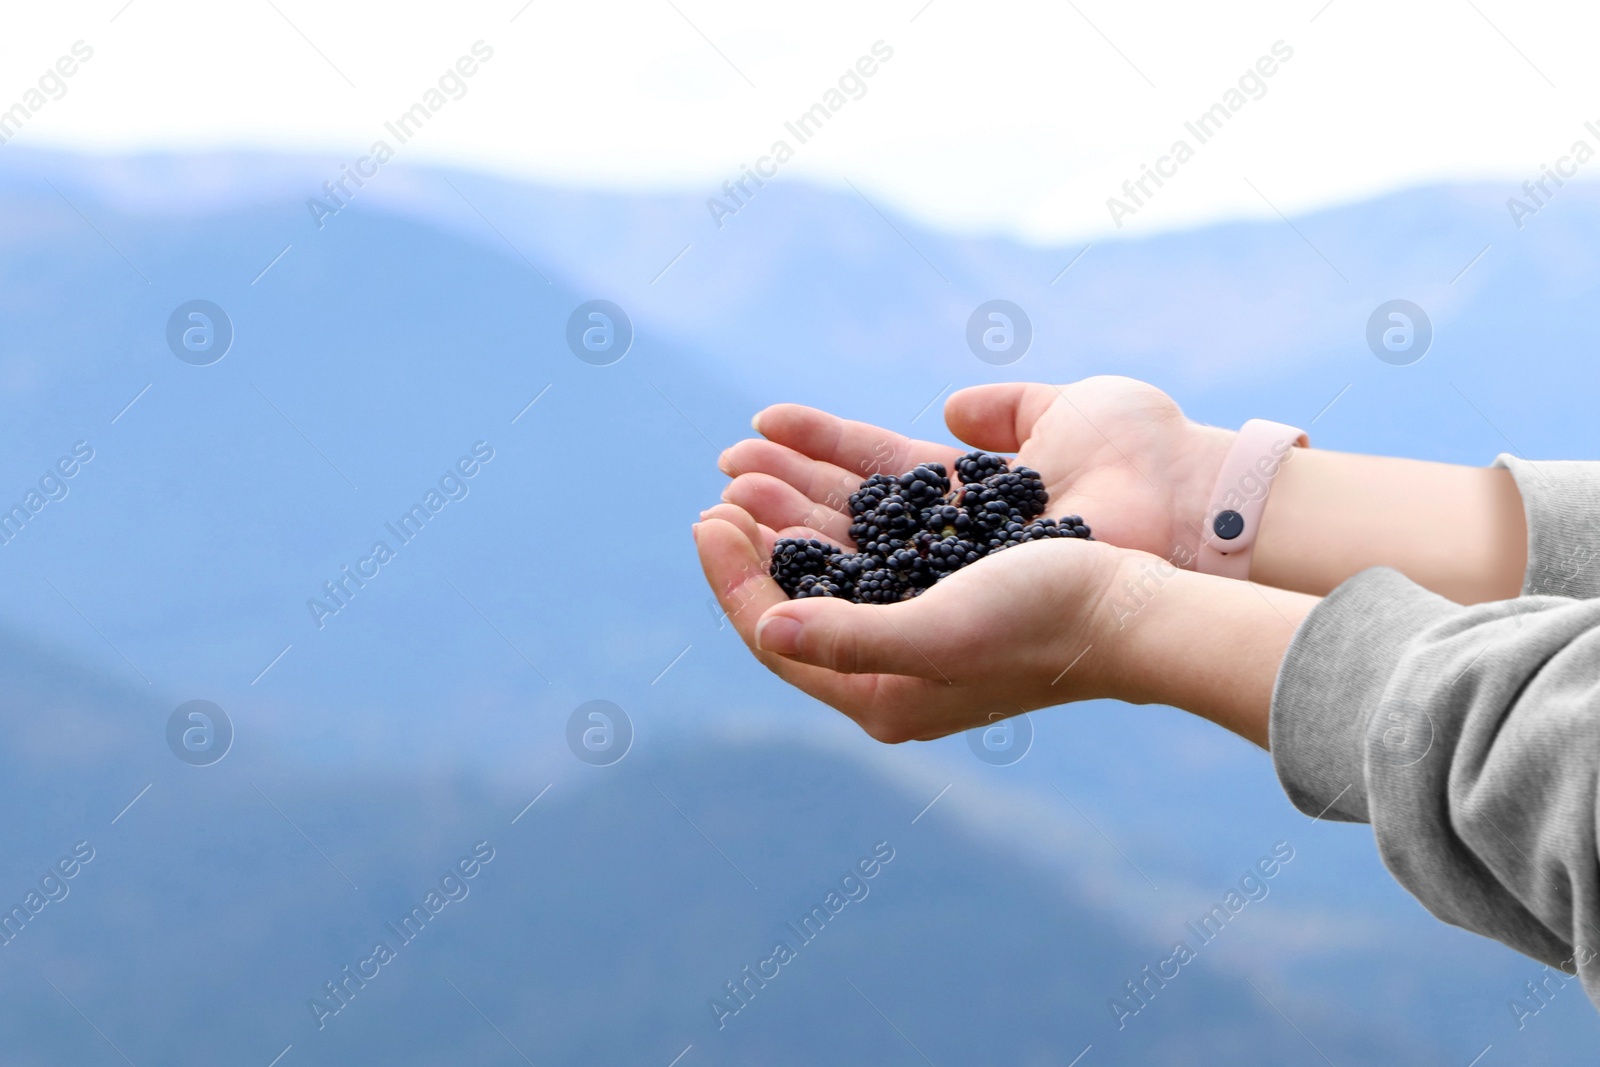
703,515
694,530
778,633
725,495
723,465
755,422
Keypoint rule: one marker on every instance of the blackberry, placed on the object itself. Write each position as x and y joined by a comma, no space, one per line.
881,586
813,586
887,507
845,568
866,499
946,555
987,508
945,520
862,532
883,545
794,559
897,515
1012,533
1041,529
924,485
1022,489
976,466
910,564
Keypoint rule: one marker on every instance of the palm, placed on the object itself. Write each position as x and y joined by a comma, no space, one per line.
1109,456
995,639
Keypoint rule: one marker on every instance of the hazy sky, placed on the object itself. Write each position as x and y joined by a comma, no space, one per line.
1022,117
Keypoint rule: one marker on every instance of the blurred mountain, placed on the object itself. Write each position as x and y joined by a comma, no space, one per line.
427,318
219,903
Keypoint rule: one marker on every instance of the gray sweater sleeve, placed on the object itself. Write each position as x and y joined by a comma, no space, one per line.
1562,501
1469,737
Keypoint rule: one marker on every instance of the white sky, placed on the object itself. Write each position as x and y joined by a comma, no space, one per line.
1021,117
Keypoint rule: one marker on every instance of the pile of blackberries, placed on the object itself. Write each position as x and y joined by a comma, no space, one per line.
913,529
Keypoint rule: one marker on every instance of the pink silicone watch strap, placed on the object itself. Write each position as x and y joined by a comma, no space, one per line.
1234,514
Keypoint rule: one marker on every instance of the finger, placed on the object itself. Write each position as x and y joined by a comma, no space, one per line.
775,503
892,709
901,639
857,447
999,417
743,588
804,533
823,482
760,536
764,538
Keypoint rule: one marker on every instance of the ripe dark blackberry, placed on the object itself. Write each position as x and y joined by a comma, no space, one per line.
924,485
910,564
872,491
1012,533
1022,489
897,516
880,586
795,558
889,507
811,585
845,568
883,545
976,466
862,532
946,555
987,509
945,520
1043,529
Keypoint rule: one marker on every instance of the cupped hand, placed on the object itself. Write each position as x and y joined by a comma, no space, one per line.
1114,450
1011,633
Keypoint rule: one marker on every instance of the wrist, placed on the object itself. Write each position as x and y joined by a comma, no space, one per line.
1208,645
1132,595
1083,635
1197,467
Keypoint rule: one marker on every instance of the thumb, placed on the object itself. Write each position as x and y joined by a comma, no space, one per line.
999,417
903,638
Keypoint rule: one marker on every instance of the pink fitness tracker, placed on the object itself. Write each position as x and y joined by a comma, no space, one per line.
1240,496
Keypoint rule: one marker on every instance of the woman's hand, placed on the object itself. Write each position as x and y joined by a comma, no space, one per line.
1042,623
1011,633
1114,450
